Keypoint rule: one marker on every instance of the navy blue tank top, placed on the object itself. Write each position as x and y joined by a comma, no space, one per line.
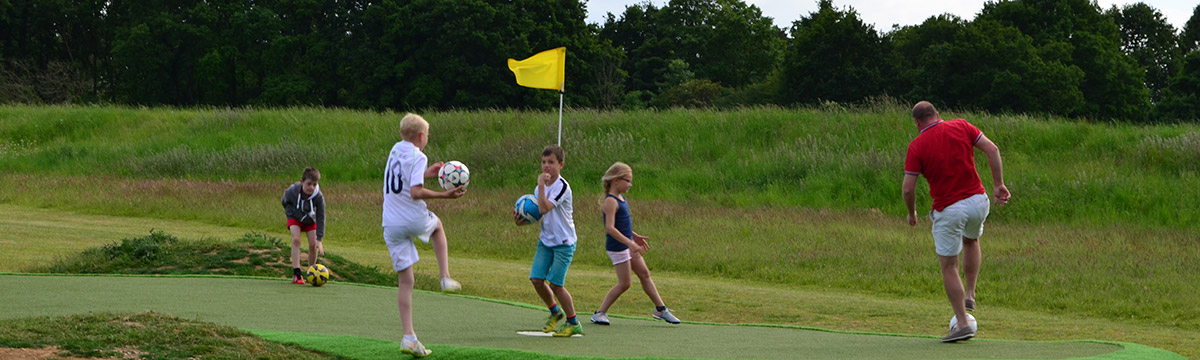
622,221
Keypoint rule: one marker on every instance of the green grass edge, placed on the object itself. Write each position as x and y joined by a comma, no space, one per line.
319,343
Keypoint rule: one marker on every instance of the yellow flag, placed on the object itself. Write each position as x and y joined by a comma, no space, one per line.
546,70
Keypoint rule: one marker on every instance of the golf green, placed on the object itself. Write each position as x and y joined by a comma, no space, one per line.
447,320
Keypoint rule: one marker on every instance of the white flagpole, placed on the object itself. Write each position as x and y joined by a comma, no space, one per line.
560,106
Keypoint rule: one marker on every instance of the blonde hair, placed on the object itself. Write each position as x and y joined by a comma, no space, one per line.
413,125
616,171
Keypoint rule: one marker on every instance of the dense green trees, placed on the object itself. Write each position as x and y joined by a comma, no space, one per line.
1066,57
833,56
726,42
1149,39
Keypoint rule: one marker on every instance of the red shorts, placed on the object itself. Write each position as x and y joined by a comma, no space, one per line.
303,228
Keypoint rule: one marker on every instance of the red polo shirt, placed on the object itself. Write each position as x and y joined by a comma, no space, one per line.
945,154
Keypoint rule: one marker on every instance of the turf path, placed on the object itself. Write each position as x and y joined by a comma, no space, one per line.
343,309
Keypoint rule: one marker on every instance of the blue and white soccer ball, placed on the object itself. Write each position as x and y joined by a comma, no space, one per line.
527,208
970,322
453,174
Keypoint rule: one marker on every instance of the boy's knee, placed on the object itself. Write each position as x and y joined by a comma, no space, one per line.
642,275
623,286
537,282
295,241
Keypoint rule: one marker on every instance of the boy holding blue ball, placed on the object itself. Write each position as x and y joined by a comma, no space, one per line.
556,245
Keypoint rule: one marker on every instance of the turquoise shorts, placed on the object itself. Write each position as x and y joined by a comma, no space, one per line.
551,263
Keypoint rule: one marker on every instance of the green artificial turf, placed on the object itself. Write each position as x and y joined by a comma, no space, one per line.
449,324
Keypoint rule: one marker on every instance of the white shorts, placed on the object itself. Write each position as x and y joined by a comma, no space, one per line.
961,219
619,256
399,240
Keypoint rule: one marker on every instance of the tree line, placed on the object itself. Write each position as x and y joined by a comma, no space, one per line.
1062,57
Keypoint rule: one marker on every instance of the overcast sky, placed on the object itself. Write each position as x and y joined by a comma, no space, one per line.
884,13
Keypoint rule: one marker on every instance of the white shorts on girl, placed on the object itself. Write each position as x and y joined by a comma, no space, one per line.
399,240
619,256
961,219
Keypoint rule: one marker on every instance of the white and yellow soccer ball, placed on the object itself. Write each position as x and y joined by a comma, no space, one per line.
317,275
453,174
970,322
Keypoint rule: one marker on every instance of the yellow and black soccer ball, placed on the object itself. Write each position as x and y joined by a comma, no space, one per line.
316,275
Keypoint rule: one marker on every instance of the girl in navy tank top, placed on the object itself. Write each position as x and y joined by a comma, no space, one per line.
625,247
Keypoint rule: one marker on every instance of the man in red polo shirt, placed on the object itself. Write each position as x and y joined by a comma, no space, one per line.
944,152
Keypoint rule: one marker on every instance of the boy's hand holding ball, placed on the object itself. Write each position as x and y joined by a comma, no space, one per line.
433,170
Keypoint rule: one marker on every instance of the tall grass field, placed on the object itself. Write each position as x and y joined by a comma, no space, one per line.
1061,171
1102,224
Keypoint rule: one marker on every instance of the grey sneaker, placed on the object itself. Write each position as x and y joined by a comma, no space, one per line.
450,286
959,333
414,348
666,315
600,318
970,304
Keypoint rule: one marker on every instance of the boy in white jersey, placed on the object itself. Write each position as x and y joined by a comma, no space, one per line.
405,217
556,245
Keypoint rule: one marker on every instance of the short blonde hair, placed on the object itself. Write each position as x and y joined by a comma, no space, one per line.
413,125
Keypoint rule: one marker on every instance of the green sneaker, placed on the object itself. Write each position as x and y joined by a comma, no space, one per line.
569,330
552,322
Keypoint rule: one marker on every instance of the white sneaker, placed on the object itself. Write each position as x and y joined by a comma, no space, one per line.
600,318
665,315
450,286
414,348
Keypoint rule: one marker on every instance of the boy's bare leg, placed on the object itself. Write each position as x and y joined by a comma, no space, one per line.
543,291
441,251
404,299
623,283
295,246
643,274
312,248
564,299
972,258
953,286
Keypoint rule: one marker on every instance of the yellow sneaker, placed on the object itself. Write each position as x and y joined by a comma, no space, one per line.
569,330
552,322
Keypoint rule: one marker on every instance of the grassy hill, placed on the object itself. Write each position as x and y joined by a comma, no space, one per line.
1059,171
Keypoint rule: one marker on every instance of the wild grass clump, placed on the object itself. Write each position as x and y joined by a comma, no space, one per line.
144,335
255,254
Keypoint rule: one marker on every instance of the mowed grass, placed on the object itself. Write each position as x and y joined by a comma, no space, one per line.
858,271
828,158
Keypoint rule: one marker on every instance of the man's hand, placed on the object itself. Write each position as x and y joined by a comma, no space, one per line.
320,248
1001,195
912,218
